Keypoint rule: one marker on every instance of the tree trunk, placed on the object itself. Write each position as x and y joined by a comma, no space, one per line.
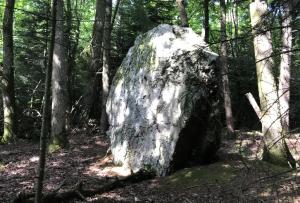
235,19
182,12
106,64
69,44
46,113
70,59
94,86
285,66
275,150
206,21
8,92
59,83
72,33
224,65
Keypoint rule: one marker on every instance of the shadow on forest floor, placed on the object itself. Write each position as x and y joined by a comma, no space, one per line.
237,177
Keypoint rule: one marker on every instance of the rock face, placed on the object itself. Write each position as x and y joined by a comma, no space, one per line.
163,102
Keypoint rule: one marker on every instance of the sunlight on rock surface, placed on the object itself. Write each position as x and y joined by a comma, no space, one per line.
166,75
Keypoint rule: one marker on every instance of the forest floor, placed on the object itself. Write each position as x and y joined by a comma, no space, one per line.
236,177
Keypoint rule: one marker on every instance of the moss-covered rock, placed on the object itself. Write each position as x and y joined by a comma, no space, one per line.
163,102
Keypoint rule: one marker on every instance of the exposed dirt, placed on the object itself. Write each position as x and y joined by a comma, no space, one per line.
236,177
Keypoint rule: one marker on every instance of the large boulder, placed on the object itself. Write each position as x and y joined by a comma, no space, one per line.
163,102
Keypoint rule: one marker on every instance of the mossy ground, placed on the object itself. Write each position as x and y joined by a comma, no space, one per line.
221,172
239,161
217,172
2,166
57,143
53,148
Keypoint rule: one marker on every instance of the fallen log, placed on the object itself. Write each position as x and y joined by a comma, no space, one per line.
81,192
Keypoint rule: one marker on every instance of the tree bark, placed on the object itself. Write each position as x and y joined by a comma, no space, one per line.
106,64
69,43
182,13
70,59
59,83
206,21
285,66
224,65
72,33
8,92
275,150
46,113
94,86
235,16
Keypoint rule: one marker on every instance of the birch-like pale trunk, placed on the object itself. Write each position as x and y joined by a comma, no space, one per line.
59,83
8,92
275,149
285,66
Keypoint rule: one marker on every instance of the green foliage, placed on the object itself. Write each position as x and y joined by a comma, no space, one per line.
30,47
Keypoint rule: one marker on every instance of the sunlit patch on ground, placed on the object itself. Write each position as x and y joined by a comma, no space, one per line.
105,168
34,159
5,152
61,154
101,143
112,196
111,171
25,183
265,193
85,147
19,169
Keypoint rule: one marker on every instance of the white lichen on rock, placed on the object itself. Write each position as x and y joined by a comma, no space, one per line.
153,95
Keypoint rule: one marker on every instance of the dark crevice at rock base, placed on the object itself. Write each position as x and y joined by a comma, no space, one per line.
199,139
